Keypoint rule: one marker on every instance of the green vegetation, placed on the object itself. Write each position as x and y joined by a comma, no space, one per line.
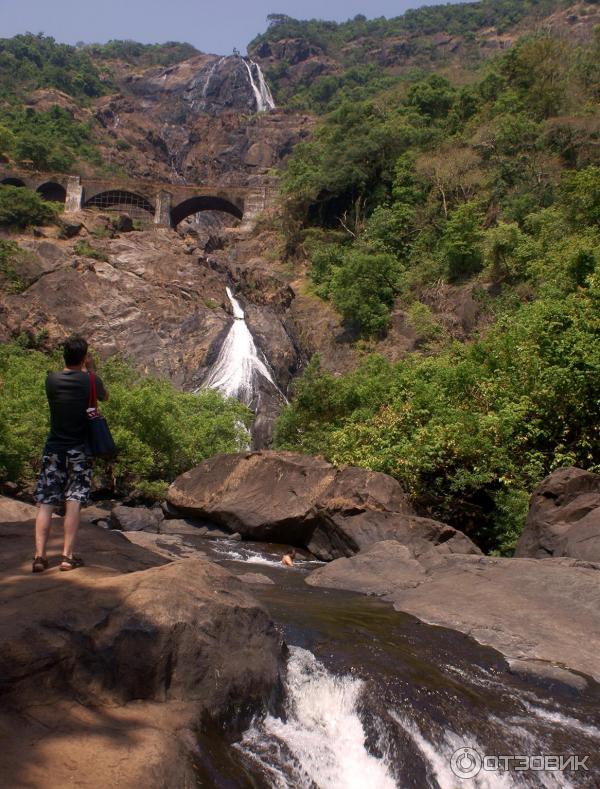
472,430
86,250
360,40
160,431
439,183
493,188
50,140
37,61
142,54
10,257
21,207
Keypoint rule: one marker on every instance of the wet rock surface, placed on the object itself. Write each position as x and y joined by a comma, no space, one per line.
564,517
302,500
525,608
117,663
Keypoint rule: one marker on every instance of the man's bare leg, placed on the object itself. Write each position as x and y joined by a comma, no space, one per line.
42,528
71,525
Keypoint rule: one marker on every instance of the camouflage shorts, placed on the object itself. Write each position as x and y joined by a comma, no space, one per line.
64,476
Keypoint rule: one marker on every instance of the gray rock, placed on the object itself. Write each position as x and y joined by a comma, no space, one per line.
564,517
305,501
256,578
70,228
14,510
123,223
180,526
528,609
340,535
95,514
547,674
135,518
151,649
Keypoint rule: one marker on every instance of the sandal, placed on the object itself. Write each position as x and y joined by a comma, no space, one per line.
73,563
39,564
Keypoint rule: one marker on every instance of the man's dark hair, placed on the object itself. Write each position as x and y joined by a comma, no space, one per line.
75,350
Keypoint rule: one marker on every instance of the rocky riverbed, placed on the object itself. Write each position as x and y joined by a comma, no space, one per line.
108,673
161,667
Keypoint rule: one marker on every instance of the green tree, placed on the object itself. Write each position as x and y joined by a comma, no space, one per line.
581,195
364,287
20,207
462,240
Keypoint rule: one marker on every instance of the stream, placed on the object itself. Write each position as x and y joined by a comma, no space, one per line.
377,700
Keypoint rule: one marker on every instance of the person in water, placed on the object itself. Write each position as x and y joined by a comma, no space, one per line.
66,472
289,558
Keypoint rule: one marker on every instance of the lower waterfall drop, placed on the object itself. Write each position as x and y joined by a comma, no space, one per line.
321,741
239,364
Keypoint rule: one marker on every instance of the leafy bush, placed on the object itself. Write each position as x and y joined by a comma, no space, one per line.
161,432
50,140
85,249
142,54
37,61
10,257
21,207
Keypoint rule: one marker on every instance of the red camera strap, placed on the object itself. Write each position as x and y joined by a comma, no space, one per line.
93,400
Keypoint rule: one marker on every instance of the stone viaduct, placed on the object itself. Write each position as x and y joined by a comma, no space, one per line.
163,204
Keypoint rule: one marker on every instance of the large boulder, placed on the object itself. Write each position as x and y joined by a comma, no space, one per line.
305,501
339,534
564,517
526,608
136,518
14,510
110,669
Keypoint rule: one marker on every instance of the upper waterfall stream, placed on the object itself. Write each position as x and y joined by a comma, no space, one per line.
262,93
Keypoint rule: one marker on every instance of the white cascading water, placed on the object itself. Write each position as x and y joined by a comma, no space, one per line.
238,364
209,76
321,742
262,94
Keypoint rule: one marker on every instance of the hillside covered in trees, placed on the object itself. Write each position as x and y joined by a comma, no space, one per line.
490,186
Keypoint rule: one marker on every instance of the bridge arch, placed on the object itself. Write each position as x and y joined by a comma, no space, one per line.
194,205
51,190
120,200
12,182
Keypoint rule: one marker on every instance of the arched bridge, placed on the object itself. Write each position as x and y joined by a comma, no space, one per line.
164,204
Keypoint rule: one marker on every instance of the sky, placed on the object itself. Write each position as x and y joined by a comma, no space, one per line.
210,25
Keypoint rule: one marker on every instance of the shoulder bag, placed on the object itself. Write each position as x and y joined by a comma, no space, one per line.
100,443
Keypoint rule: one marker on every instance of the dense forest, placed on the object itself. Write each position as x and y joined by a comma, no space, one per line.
493,186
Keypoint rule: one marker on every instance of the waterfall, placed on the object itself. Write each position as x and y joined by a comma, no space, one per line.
321,741
209,76
262,94
239,366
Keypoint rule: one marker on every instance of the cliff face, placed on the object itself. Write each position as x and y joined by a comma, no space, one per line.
206,118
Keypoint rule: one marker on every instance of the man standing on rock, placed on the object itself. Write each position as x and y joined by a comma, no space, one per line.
66,472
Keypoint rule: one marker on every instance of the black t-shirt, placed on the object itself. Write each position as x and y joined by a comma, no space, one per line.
68,397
